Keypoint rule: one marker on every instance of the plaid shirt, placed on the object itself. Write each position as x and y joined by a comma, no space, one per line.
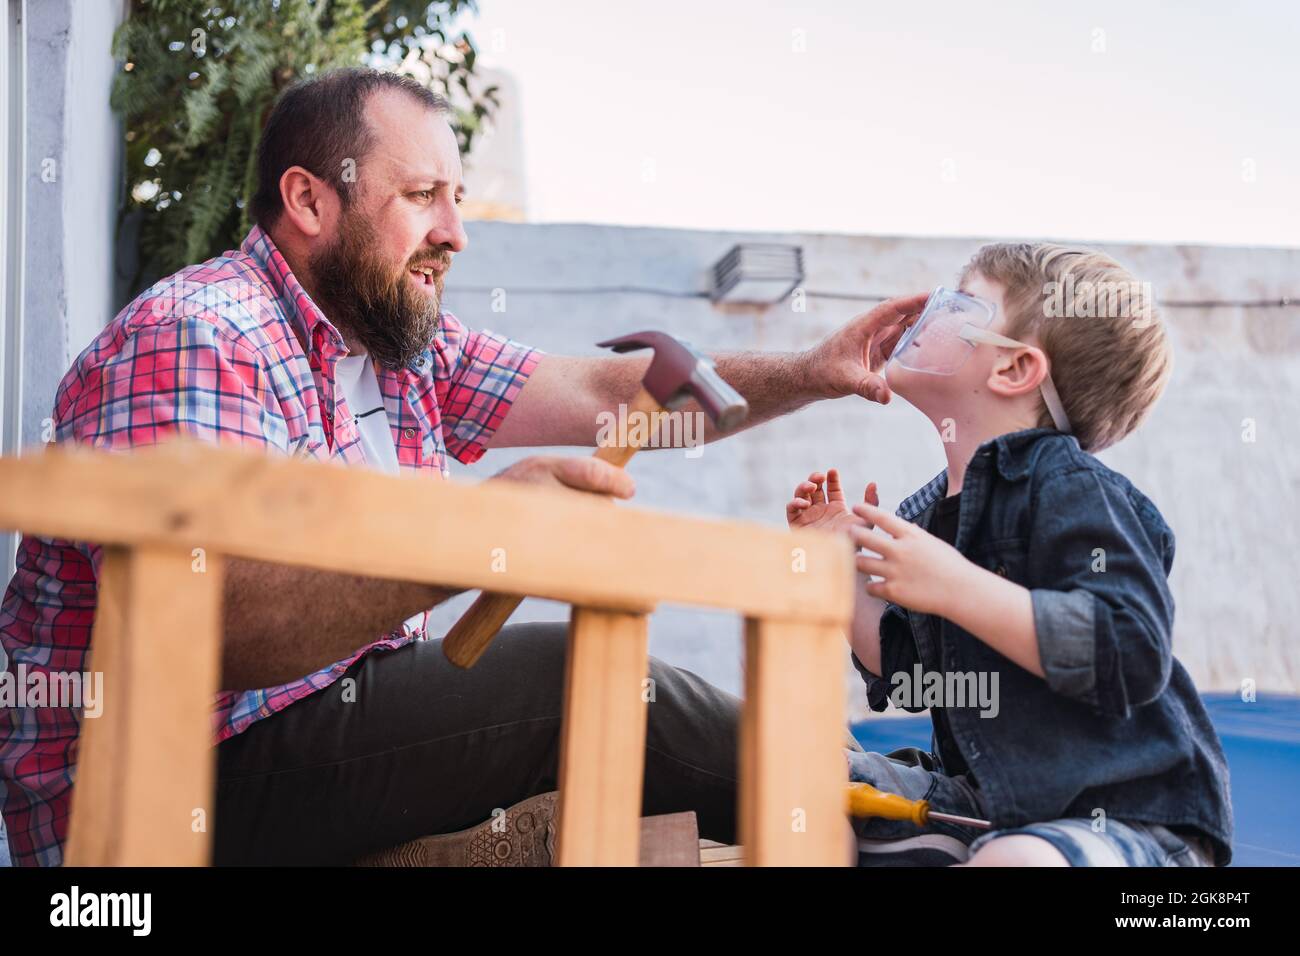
216,352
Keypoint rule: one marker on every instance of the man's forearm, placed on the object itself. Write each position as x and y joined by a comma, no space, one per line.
773,383
566,396
281,622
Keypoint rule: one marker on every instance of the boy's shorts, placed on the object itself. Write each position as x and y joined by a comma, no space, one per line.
911,773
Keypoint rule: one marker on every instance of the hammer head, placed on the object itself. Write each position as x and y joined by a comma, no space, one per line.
678,373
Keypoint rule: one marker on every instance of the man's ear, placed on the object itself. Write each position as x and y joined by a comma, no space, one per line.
1018,372
310,203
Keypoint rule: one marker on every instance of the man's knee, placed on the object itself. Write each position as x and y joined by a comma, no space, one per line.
679,701
683,690
537,648
550,638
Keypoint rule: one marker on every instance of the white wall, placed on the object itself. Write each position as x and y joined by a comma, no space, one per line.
1232,504
73,169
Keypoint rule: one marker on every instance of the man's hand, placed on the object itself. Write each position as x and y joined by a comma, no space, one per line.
920,572
819,503
848,362
581,474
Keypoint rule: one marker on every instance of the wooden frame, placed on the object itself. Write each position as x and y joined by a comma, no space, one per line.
145,774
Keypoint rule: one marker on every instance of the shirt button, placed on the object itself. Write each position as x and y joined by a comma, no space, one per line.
1000,570
408,433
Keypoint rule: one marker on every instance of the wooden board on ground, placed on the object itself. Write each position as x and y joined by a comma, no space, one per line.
720,854
672,839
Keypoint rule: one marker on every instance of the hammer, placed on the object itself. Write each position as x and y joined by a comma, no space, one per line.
677,373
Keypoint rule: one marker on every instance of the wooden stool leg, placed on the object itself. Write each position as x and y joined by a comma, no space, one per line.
792,810
144,776
602,751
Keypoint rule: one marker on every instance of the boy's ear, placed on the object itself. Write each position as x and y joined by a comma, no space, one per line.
1018,372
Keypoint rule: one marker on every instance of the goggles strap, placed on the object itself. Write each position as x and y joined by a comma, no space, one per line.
1052,399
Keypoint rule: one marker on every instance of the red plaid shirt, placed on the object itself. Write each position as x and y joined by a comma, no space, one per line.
215,352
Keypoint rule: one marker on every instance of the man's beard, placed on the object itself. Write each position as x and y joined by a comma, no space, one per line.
358,291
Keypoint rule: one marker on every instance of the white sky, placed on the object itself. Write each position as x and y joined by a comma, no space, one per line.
911,118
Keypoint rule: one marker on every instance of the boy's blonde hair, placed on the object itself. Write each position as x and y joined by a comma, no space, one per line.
1098,325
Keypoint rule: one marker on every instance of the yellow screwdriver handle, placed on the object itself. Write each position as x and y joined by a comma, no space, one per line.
866,801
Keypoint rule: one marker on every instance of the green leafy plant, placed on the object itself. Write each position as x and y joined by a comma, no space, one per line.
197,79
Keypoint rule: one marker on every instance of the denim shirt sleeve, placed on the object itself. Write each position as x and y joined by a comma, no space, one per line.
1098,577
897,653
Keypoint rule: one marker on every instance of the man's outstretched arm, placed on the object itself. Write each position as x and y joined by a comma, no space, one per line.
564,396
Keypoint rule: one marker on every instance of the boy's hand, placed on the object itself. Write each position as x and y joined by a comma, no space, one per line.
819,503
919,571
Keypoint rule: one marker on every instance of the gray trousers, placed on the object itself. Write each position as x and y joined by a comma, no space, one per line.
427,747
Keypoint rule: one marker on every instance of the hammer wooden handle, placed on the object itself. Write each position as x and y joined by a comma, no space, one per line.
470,636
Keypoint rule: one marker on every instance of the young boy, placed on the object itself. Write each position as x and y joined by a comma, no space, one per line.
1022,595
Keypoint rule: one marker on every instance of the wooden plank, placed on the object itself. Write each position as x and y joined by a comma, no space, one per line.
792,727
145,767
718,854
670,839
499,536
602,747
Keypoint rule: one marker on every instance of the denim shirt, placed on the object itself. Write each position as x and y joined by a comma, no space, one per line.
1117,724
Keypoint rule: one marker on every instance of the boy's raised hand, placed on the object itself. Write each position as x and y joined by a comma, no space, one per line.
819,503
918,571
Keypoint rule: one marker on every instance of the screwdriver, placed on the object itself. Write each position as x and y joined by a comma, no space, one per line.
866,801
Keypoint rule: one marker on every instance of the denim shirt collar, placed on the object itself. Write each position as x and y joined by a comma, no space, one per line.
1018,451
1014,454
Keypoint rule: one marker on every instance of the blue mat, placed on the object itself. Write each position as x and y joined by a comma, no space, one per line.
1261,740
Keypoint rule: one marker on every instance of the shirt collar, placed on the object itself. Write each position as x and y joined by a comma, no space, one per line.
1018,451
303,314
919,502
1014,453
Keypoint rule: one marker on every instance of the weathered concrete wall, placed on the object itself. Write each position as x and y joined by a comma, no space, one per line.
1232,503
73,160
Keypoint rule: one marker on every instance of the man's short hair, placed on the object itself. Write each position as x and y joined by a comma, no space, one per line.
319,124
1099,326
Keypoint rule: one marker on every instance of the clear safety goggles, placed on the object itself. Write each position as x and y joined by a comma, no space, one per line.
945,334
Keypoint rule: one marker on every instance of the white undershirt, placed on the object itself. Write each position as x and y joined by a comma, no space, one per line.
355,377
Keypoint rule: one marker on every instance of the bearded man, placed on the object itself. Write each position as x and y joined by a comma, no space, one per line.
322,336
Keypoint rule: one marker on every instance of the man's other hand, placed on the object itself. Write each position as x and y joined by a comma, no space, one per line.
581,474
